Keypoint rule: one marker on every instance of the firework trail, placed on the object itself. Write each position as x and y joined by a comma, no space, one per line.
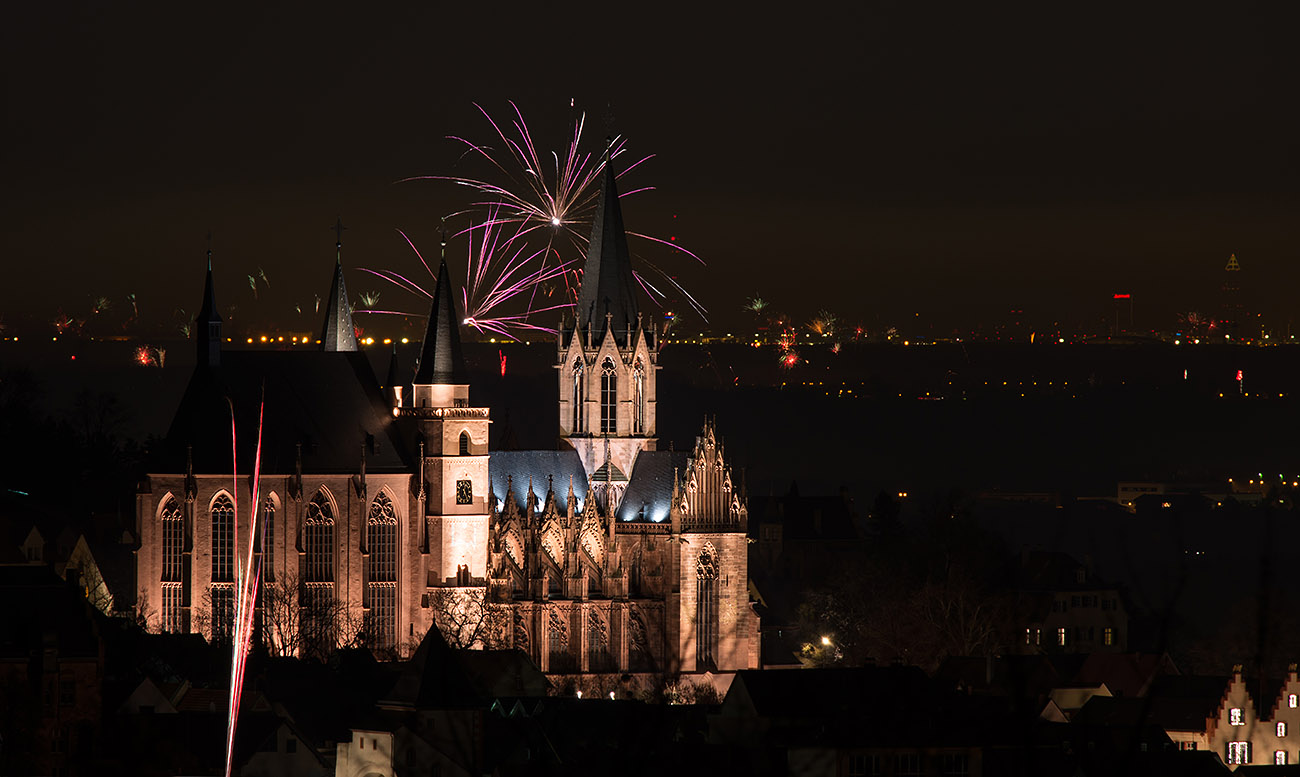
247,579
550,199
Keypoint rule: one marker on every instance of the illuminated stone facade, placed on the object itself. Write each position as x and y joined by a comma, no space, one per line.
383,513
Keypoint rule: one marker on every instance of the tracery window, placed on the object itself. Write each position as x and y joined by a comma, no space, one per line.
638,398
223,539
706,608
266,538
608,397
557,639
318,540
597,644
173,565
579,398
381,567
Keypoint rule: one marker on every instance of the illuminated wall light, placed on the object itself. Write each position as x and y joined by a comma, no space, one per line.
263,338
405,341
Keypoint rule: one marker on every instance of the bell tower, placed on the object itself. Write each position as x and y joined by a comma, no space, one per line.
608,356
454,450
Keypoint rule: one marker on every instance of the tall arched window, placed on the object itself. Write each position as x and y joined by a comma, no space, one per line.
638,398
579,398
381,568
464,443
706,608
266,538
557,639
608,397
222,592
223,540
316,597
318,540
173,565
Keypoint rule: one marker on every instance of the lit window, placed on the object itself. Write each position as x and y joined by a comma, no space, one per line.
1235,717
381,563
1060,636
1108,636
1279,757
1291,701
608,398
464,492
1238,752
1281,728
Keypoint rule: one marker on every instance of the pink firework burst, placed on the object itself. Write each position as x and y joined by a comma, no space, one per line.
547,200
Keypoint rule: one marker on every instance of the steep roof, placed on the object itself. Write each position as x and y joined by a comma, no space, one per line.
441,360
207,327
517,468
329,402
649,492
607,283
338,333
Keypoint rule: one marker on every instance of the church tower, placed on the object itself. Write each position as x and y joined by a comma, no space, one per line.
607,357
454,451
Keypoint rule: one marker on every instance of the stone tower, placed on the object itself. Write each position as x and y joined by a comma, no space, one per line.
454,449
607,358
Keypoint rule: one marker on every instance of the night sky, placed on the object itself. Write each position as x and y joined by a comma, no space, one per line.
879,160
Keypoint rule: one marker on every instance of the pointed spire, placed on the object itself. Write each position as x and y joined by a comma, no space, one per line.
338,333
608,291
441,361
208,325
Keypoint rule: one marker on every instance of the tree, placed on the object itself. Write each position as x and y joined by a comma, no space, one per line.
467,620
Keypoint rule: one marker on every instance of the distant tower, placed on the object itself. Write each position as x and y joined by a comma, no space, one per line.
607,358
207,329
1232,297
455,437
338,333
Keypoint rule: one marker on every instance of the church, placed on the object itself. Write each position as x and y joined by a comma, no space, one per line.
383,513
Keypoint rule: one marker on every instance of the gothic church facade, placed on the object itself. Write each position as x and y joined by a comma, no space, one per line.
383,512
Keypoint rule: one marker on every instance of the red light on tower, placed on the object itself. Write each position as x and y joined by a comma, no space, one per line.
1123,296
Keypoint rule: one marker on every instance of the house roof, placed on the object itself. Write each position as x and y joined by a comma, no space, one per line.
330,403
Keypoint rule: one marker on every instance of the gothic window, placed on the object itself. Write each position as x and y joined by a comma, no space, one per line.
638,398
266,539
706,608
316,598
558,644
464,492
173,566
318,540
381,567
608,397
173,531
223,612
597,644
223,540
464,443
579,397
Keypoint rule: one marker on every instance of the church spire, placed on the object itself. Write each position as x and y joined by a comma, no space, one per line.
338,333
208,326
441,361
608,292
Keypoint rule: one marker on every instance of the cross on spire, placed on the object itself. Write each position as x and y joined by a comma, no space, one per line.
338,238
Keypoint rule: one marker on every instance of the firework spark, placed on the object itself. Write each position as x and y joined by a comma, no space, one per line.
248,577
549,200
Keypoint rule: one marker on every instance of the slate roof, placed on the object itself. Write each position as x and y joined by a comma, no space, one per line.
607,285
441,360
649,492
329,402
519,466
338,333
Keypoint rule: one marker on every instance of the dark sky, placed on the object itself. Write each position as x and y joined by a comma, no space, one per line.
880,160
